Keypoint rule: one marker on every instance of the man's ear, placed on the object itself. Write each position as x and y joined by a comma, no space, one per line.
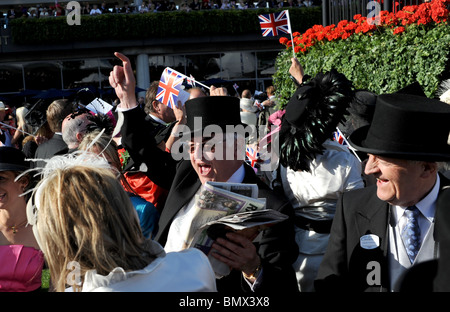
155,104
79,137
429,168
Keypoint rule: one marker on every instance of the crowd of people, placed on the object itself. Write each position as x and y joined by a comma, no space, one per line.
146,6
103,193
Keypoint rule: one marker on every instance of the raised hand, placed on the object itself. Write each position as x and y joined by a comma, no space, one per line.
122,79
296,70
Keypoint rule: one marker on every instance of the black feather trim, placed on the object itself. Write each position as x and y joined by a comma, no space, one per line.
331,94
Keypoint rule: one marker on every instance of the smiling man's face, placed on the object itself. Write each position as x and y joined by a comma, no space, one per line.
399,182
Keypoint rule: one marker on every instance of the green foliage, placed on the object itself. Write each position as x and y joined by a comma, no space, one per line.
152,25
382,62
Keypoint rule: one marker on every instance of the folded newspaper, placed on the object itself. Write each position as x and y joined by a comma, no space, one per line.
223,207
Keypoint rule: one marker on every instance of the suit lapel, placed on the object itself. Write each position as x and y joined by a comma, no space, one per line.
186,184
373,218
445,183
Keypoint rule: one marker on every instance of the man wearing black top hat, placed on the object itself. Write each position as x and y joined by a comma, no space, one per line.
261,265
367,250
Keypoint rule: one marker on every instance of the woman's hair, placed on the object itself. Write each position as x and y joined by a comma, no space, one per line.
44,131
84,215
21,112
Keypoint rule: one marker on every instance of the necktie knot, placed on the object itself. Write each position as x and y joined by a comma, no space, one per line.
412,212
411,232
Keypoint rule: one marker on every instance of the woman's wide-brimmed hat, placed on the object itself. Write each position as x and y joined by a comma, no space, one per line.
406,126
12,159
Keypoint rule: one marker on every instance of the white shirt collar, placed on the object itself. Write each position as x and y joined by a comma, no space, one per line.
427,205
238,175
158,119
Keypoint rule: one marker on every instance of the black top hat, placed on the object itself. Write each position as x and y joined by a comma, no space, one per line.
312,115
221,111
360,112
414,89
408,127
12,159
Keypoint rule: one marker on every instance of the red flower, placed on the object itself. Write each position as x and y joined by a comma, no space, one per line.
357,17
399,30
342,24
283,40
423,14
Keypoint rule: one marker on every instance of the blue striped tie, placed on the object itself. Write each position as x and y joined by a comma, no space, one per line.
411,232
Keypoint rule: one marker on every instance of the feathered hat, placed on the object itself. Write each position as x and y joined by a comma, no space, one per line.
312,115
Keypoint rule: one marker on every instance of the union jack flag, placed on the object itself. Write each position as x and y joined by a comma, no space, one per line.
259,105
274,23
339,137
252,156
191,80
169,87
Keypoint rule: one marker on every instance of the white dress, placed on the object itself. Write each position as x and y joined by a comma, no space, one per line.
314,195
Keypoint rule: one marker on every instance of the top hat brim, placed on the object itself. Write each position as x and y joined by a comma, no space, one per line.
357,138
12,167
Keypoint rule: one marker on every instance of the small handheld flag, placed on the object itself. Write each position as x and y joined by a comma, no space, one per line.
235,86
190,80
252,156
259,105
169,87
339,137
273,24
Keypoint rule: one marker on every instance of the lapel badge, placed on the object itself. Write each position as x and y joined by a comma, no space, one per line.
369,241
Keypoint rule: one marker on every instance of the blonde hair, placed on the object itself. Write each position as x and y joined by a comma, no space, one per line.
84,215
21,112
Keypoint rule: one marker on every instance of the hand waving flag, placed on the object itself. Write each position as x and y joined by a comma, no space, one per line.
169,87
